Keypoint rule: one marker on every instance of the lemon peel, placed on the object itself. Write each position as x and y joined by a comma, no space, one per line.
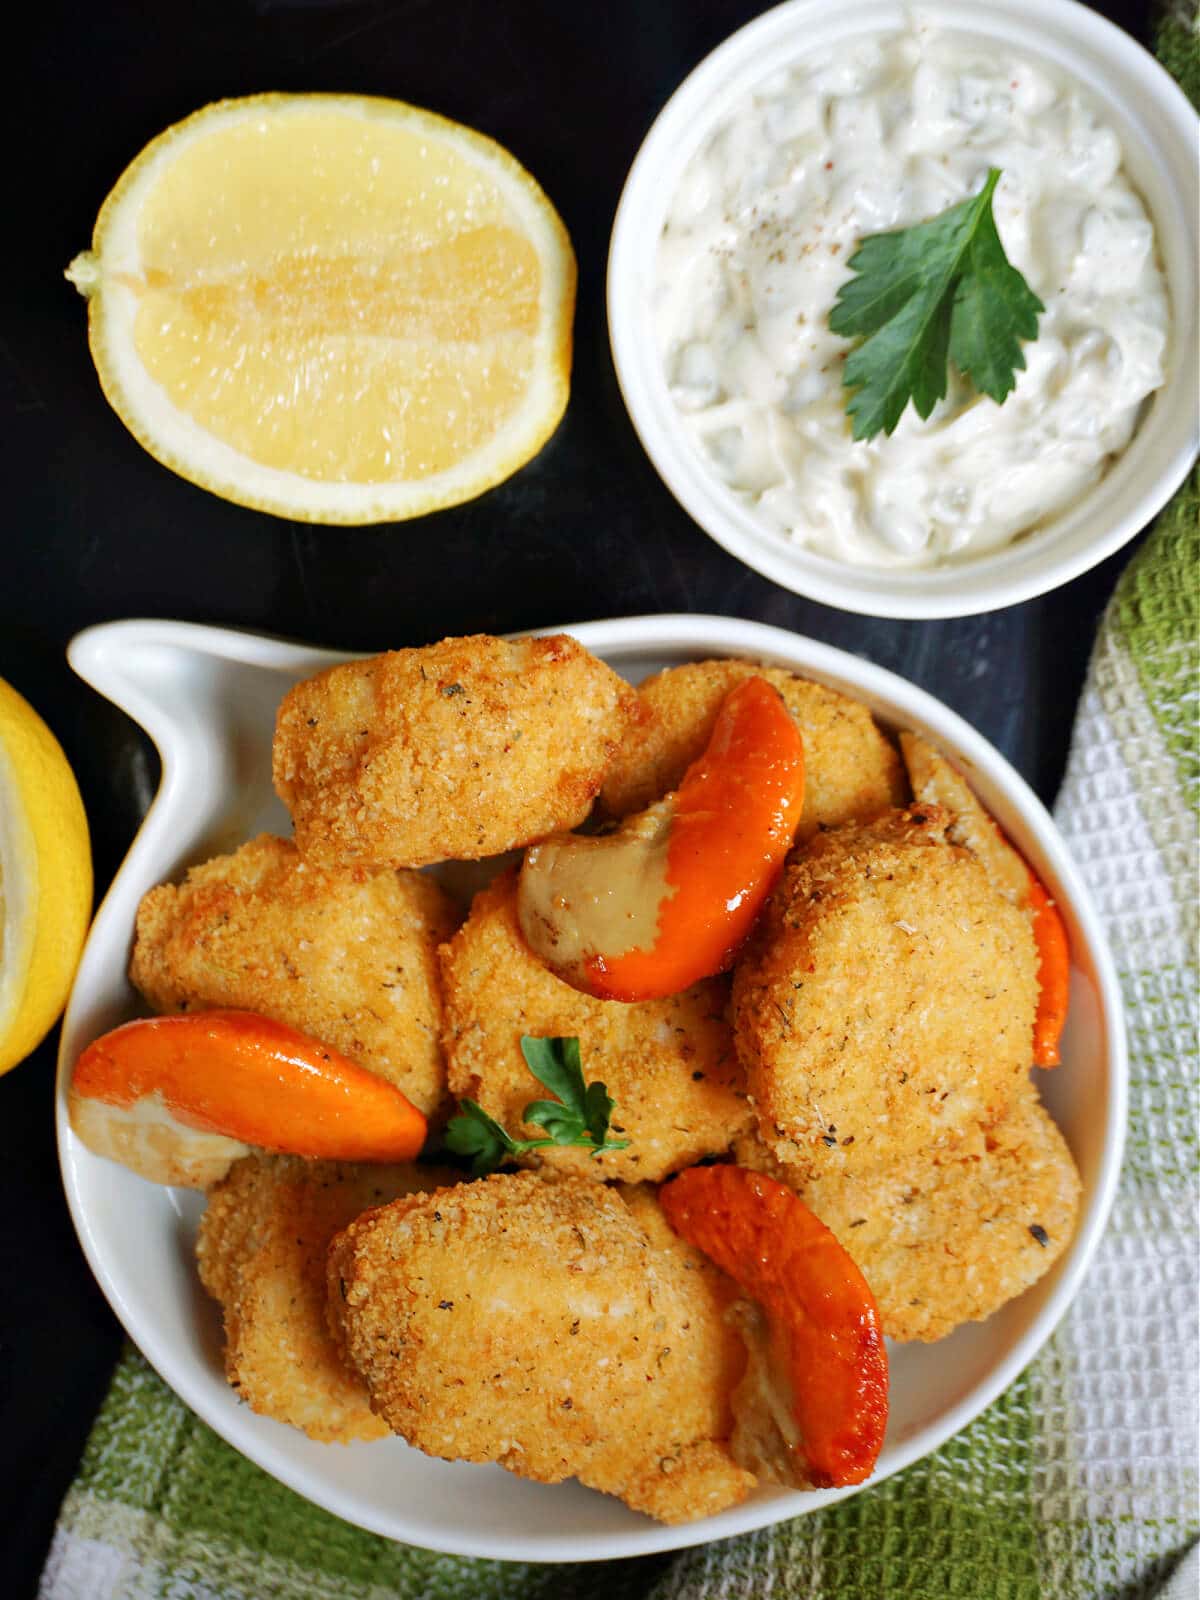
45,878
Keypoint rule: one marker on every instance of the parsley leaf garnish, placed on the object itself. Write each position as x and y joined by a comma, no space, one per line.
942,289
580,1115
473,1133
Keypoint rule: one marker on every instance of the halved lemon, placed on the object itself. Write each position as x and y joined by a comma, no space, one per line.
331,307
45,878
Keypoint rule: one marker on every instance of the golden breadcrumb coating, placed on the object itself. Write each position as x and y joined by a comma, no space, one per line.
456,751
669,1065
342,953
548,1324
884,1006
851,771
938,783
261,1250
950,1239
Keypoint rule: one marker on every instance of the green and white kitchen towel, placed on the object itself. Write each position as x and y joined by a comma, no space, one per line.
1081,1480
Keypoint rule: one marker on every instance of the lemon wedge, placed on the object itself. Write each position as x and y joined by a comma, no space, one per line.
334,308
45,878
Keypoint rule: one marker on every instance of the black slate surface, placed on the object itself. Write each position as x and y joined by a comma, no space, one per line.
95,529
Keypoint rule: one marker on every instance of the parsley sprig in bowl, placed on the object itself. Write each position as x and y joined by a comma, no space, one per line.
939,293
579,1115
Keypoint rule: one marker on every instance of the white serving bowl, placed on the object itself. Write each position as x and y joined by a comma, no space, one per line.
207,697
1160,134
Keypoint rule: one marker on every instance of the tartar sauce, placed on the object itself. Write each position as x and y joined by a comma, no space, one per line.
879,135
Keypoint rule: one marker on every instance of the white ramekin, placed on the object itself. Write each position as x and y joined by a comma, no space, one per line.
1160,134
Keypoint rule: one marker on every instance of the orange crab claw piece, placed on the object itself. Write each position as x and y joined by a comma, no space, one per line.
817,1302
1054,974
670,897
246,1078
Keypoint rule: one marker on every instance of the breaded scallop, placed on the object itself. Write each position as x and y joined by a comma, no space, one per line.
851,771
884,1007
343,953
548,1324
936,782
669,1065
947,1241
456,751
261,1251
